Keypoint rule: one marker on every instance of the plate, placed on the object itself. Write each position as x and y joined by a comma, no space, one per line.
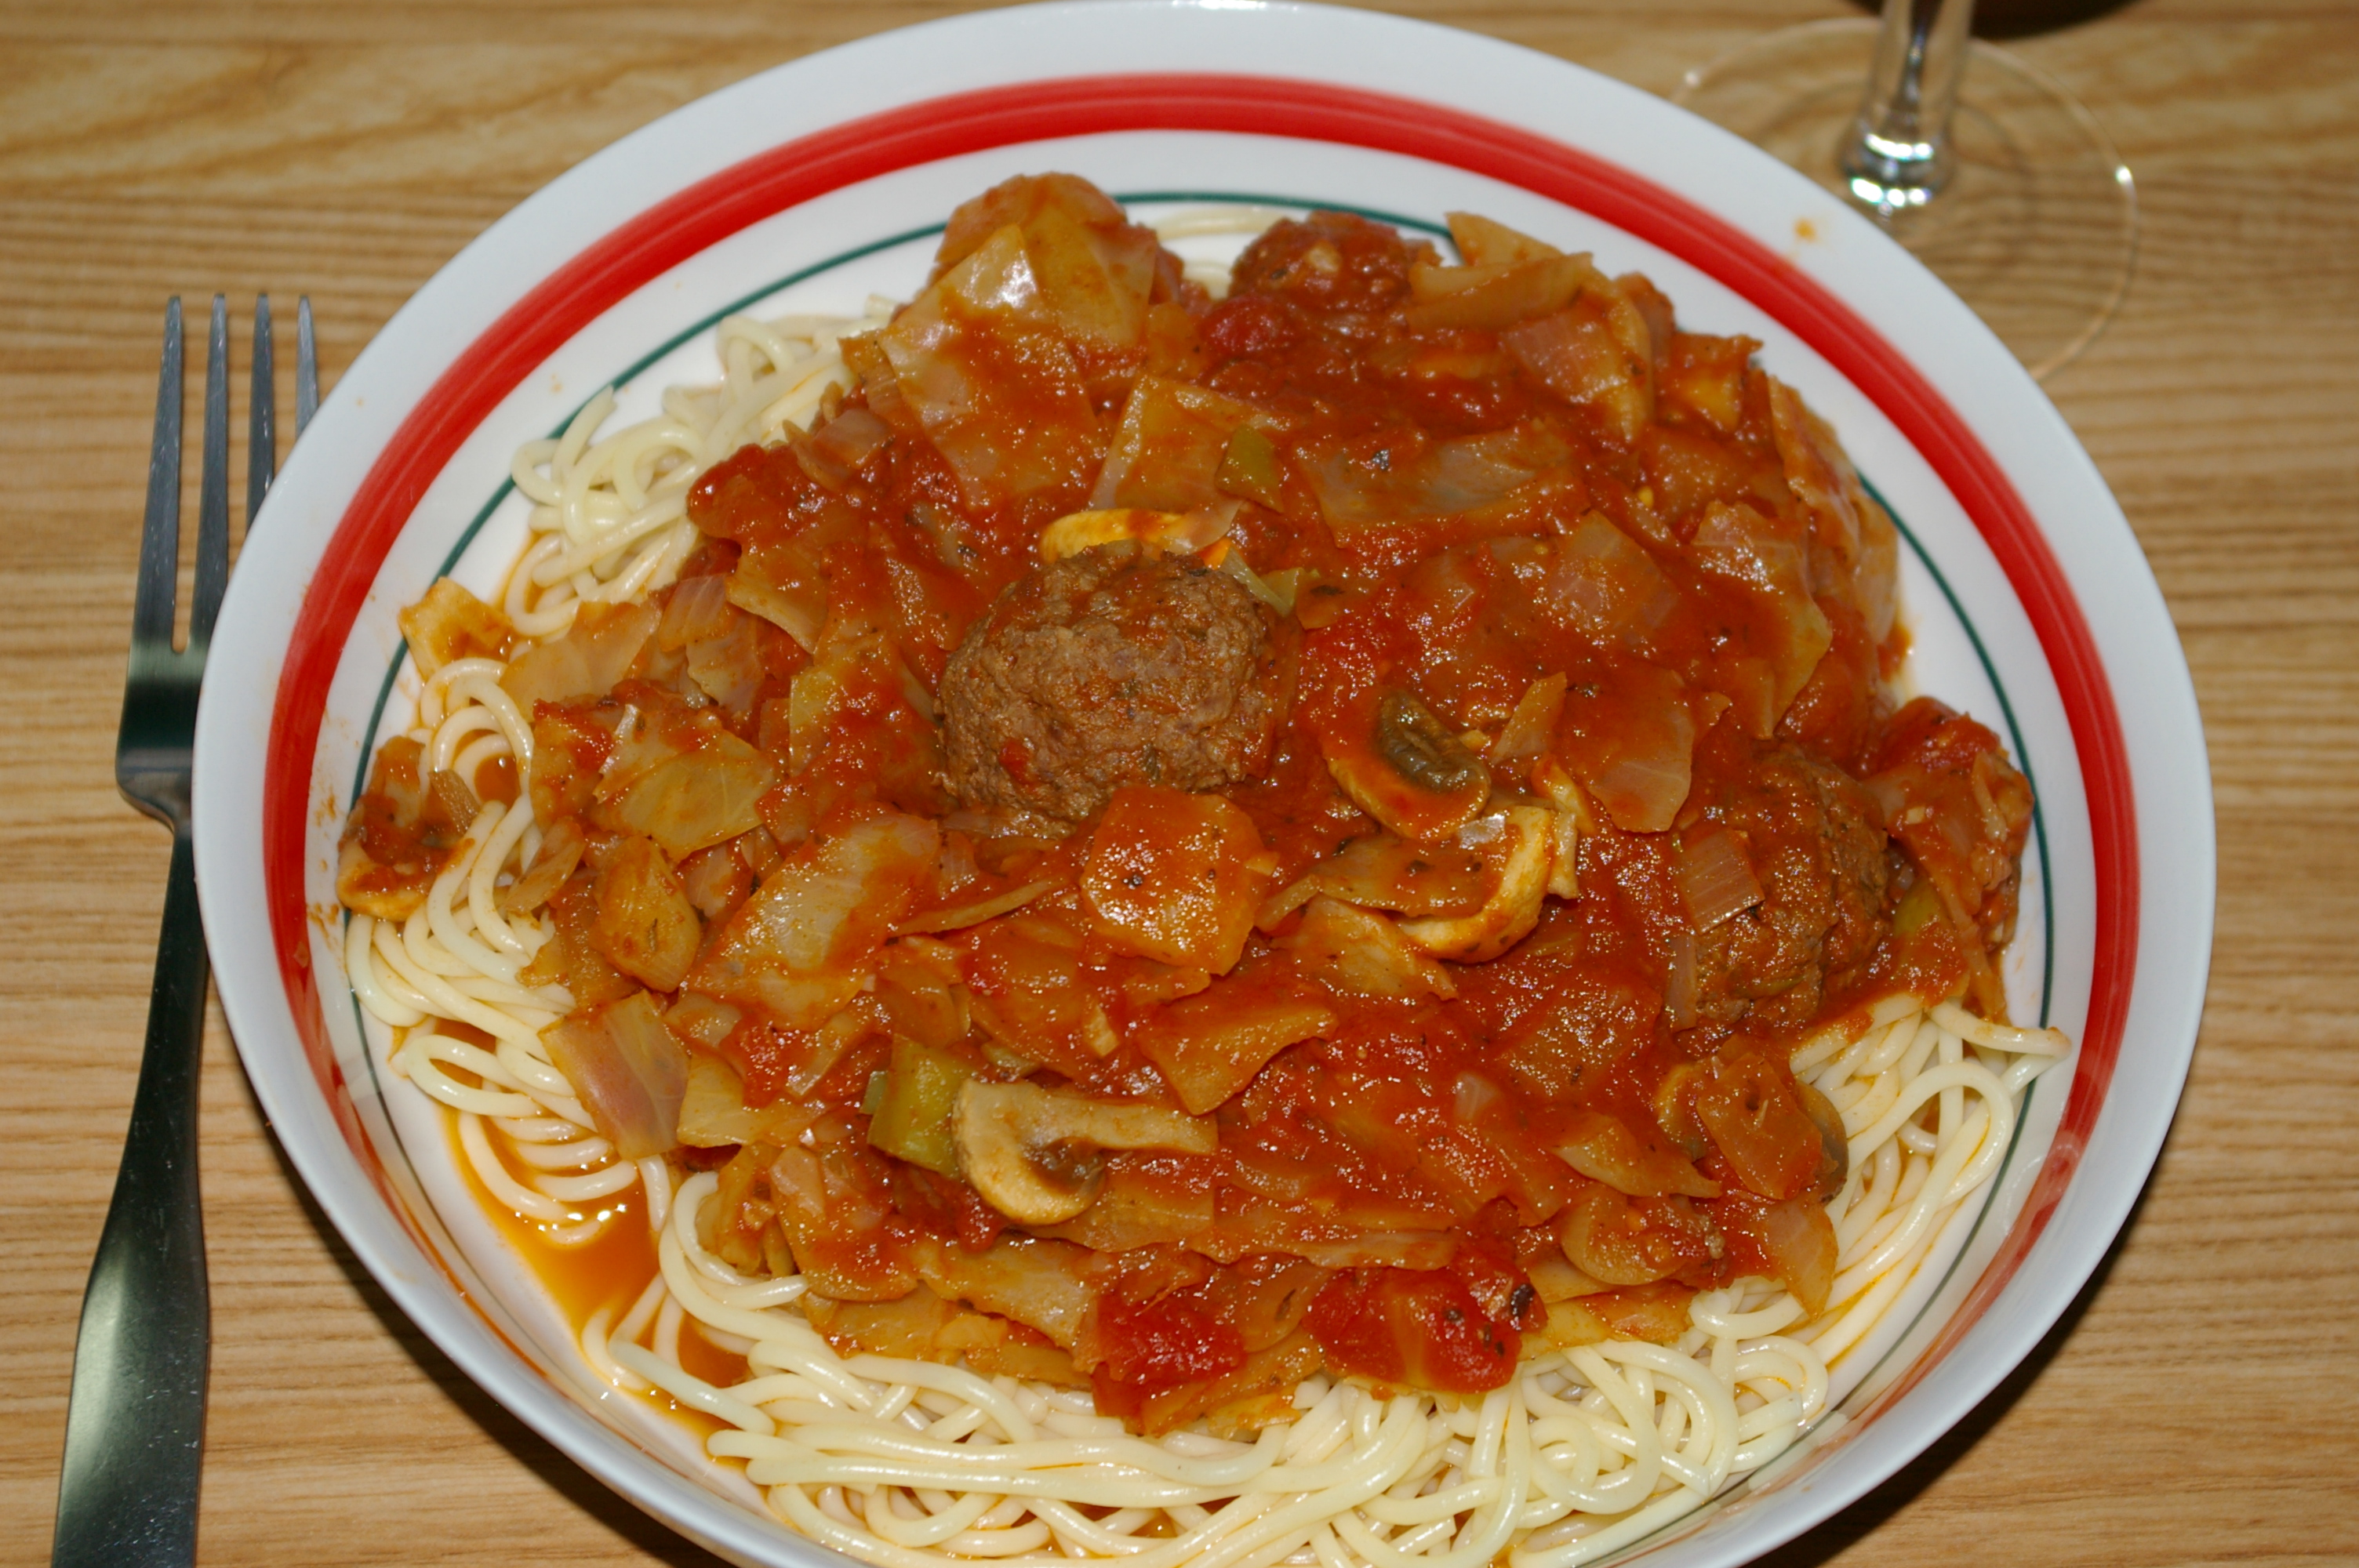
818,183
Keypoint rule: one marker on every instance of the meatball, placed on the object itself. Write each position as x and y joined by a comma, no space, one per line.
1329,260
1116,665
1817,846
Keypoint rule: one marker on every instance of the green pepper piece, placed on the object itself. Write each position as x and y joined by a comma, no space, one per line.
912,1119
1249,467
1918,907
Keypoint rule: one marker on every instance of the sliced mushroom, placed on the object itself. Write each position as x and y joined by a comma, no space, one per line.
1175,532
1035,1155
1380,871
1357,950
1421,749
1526,845
1674,1107
1408,769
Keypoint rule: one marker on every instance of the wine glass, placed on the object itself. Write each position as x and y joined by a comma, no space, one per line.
1982,165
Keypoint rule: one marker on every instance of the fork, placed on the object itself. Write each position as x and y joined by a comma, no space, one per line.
135,1421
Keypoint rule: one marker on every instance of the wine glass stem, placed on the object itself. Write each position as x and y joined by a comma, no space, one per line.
1897,155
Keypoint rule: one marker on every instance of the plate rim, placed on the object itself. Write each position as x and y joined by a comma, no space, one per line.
631,1473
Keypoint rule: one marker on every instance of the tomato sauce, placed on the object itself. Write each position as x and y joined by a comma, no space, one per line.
607,1271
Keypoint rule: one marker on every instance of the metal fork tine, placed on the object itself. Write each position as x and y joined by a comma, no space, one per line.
307,366
160,540
261,415
213,493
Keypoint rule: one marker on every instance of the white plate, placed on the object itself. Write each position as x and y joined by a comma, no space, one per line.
823,180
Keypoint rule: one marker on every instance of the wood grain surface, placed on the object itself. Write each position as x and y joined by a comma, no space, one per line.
2200,1404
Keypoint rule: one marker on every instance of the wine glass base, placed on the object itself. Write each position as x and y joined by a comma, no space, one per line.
2036,229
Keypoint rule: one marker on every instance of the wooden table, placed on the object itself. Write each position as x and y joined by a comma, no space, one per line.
348,150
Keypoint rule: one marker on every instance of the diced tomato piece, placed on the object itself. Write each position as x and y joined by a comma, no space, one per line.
1250,324
1161,1345
1488,1265
1420,1330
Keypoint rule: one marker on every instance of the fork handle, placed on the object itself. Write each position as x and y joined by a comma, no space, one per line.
135,1425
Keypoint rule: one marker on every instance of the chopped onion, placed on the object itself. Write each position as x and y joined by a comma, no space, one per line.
1429,281
1637,754
451,623
1604,584
729,668
1485,241
629,1071
1494,299
693,800
697,611
1604,1148
701,1020
1532,725
851,437
975,911
1378,871
1643,794
1800,1240
1266,589
1168,452
1440,479
587,661
1716,879
1679,986
561,851
1422,1251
